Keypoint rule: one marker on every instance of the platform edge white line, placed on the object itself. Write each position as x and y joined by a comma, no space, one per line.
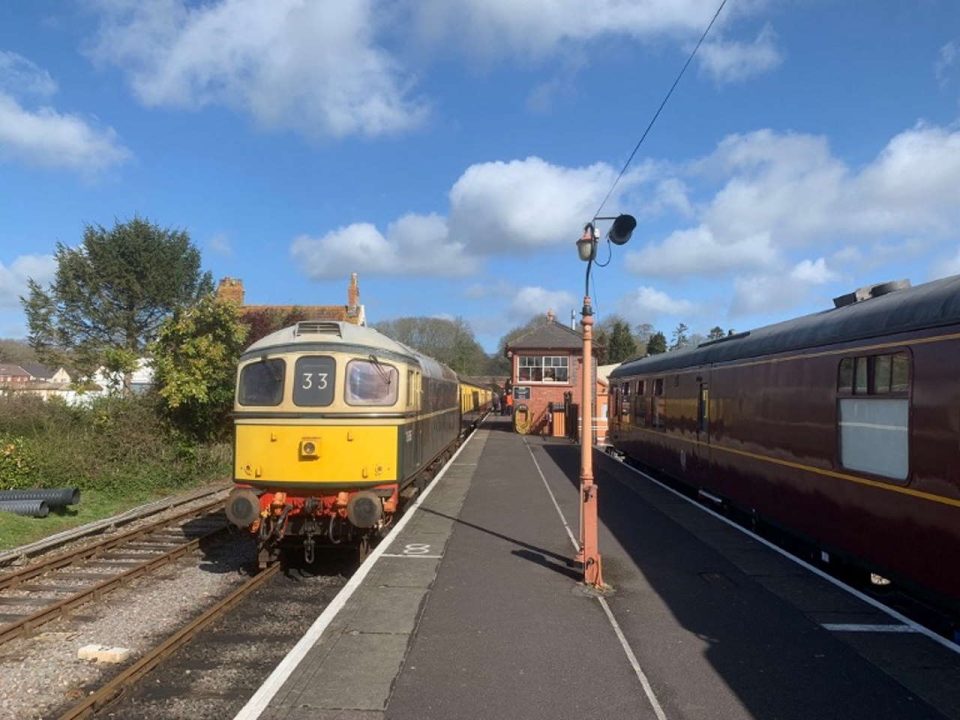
952,646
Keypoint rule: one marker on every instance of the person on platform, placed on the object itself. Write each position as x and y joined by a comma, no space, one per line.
508,406
496,403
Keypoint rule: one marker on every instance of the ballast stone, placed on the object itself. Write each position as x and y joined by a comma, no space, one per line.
103,653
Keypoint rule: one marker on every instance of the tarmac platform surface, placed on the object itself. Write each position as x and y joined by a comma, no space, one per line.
474,610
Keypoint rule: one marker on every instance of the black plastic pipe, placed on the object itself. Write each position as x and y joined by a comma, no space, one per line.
28,508
53,497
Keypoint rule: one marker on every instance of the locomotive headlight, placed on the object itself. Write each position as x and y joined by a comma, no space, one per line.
309,447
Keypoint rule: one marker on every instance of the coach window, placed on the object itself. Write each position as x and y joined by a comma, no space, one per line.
314,379
261,383
658,387
642,387
625,401
874,414
371,383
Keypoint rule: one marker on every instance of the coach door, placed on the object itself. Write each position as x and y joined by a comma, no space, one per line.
703,415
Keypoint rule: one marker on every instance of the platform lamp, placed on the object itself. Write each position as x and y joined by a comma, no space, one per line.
589,555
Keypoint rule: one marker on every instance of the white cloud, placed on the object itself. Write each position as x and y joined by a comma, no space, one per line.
13,279
698,252
525,204
813,272
48,138
784,192
947,58
535,300
647,304
776,291
219,243
19,76
948,266
536,28
312,67
412,245
728,62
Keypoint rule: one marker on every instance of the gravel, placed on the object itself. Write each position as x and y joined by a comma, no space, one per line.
41,675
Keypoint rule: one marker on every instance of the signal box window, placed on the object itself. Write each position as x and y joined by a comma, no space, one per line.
543,368
314,378
874,414
371,383
261,383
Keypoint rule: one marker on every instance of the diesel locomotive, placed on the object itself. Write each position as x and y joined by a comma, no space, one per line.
841,427
335,425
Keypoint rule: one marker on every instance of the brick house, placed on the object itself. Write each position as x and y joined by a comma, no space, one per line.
13,375
547,367
231,289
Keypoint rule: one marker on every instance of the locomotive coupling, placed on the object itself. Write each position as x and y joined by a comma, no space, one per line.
243,507
364,509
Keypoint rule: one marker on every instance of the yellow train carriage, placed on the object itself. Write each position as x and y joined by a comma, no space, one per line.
476,401
332,422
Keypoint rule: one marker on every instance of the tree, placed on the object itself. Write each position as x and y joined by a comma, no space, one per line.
680,339
622,344
657,343
716,332
16,351
111,294
643,332
195,360
265,321
450,341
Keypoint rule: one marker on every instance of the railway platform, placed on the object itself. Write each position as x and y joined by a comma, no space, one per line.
471,609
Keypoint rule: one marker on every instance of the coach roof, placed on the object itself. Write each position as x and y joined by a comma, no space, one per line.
930,305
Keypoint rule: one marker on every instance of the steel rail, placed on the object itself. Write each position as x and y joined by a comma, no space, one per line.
39,547
52,612
114,687
11,579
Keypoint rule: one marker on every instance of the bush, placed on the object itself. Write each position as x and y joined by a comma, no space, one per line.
17,468
115,445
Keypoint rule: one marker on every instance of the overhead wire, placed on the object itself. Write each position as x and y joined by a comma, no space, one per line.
659,109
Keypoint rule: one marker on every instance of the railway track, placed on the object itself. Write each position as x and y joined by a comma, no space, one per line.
34,595
131,675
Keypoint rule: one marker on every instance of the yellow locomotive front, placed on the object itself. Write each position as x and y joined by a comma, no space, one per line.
323,413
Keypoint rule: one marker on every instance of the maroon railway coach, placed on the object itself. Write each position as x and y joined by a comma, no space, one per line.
842,427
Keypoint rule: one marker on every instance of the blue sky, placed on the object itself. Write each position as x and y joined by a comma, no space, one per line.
450,151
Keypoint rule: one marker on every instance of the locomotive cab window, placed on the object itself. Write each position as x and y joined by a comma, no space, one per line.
874,414
314,378
371,383
261,383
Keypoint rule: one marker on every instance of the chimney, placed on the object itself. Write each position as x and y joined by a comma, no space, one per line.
231,290
353,296
550,316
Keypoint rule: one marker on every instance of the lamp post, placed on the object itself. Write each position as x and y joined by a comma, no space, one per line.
589,554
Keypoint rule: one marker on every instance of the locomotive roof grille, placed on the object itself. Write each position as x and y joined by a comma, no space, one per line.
318,327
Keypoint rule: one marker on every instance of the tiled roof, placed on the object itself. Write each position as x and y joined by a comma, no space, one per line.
12,370
38,370
311,312
549,336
